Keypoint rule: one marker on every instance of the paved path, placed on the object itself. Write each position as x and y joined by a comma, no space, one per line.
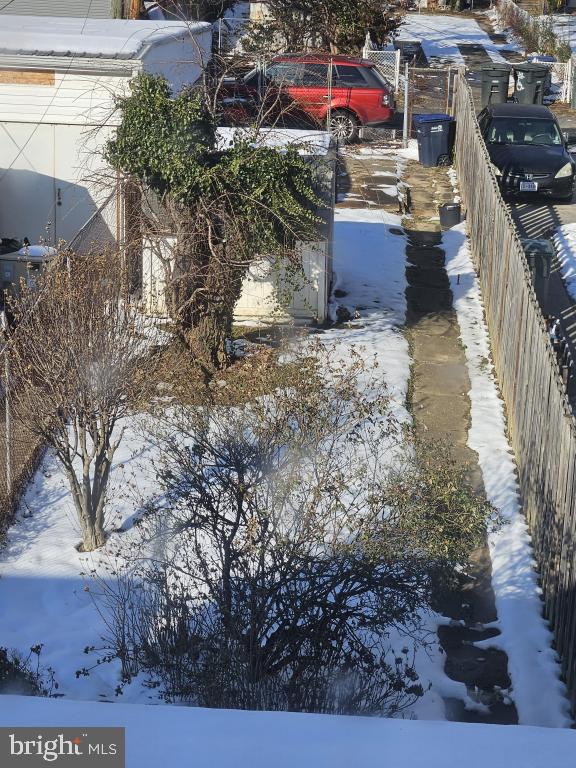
441,409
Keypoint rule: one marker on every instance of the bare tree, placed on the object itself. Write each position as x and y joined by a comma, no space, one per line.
335,26
76,353
284,554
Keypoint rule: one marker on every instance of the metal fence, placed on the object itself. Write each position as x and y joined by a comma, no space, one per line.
387,62
541,423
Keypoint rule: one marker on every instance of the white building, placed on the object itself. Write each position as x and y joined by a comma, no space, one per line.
267,295
58,81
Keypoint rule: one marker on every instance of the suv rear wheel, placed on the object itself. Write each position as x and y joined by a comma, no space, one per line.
344,126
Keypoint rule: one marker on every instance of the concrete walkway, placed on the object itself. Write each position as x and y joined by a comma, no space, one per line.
441,409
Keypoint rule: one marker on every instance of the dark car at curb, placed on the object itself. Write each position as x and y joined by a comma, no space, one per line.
528,152
340,92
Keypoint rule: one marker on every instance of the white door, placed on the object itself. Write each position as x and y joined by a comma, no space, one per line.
27,189
51,179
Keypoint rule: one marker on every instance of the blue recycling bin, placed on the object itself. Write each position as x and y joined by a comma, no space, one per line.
435,135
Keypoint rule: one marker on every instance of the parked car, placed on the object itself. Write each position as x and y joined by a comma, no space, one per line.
529,154
346,92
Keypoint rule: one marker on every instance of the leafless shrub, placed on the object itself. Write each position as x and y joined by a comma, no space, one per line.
285,551
76,353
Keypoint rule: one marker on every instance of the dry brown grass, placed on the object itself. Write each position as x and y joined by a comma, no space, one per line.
173,374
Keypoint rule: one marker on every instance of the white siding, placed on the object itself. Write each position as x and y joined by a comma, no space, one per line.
93,9
74,99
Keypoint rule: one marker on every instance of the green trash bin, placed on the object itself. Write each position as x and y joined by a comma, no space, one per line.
529,82
495,79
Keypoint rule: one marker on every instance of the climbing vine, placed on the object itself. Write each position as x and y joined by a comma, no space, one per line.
225,201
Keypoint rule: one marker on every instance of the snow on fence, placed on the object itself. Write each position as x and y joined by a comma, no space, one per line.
540,420
387,62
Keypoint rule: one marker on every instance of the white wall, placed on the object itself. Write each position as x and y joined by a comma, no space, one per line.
52,175
259,300
52,179
76,98
180,61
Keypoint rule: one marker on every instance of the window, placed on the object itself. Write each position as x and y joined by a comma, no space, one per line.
526,131
284,73
351,77
315,75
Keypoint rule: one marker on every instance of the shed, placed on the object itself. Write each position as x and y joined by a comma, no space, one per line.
264,283
59,78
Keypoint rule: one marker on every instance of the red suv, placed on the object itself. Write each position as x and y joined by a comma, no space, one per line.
340,91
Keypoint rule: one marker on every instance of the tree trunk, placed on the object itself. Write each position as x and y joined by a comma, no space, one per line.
91,517
93,537
207,338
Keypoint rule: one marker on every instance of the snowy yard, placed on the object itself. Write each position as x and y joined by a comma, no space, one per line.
45,583
440,36
208,738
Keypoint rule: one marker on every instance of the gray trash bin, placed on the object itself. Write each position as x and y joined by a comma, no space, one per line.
495,79
530,82
450,215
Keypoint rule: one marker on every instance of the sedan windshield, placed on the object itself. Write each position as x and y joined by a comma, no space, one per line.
526,130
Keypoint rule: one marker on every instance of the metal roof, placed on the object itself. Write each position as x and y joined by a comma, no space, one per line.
90,38
93,9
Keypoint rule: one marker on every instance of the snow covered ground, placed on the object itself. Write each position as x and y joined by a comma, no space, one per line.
565,242
564,27
44,581
441,34
539,694
207,738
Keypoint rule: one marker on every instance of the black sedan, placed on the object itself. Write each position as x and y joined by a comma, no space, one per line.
528,151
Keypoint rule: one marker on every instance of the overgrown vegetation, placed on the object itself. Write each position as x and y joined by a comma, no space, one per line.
225,207
287,563
333,26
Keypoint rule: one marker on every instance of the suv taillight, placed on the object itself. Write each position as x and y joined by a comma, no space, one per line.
386,99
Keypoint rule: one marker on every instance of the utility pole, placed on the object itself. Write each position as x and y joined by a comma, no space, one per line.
134,12
405,127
